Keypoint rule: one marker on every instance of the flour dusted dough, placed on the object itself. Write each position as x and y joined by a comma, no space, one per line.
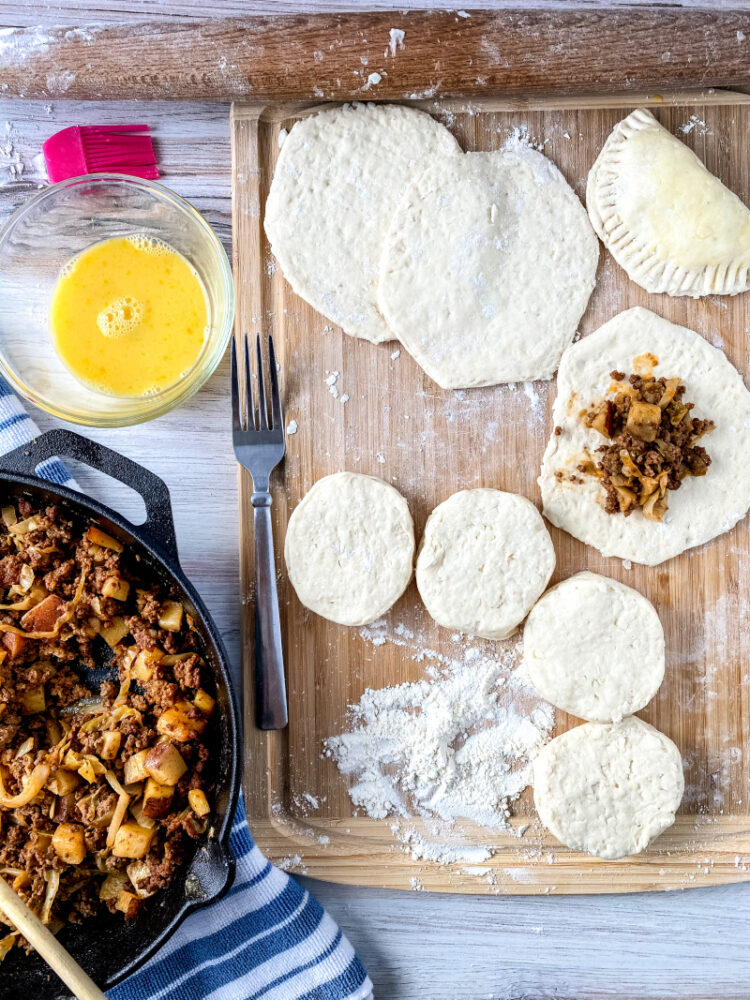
338,176
666,220
608,790
487,268
702,507
484,559
350,548
594,648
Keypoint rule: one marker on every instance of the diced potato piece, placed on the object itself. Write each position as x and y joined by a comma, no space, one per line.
64,808
135,768
198,802
63,782
54,730
43,840
93,627
110,744
115,632
132,841
171,616
144,663
136,809
173,658
177,724
188,710
643,420
68,843
138,870
113,885
204,701
43,616
128,904
164,764
116,587
33,700
99,537
157,799
15,644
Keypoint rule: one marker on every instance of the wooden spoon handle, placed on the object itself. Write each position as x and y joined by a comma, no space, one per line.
45,942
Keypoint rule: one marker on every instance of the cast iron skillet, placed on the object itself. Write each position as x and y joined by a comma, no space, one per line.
107,947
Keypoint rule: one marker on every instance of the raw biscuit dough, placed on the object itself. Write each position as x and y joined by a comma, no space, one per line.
607,789
701,508
485,557
487,268
594,648
338,176
349,548
664,217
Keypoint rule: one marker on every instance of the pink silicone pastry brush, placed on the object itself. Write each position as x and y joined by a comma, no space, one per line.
95,149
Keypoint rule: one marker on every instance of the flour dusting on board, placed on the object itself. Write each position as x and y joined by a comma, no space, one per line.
455,745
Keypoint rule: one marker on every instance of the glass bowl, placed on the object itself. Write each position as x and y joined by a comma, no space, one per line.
49,230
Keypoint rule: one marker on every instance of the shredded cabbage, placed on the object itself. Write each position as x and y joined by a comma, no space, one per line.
34,784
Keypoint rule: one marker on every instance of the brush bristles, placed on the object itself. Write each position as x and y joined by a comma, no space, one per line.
107,149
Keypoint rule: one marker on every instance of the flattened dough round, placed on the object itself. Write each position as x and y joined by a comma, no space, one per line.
664,217
608,790
701,508
485,557
338,176
594,648
487,267
349,548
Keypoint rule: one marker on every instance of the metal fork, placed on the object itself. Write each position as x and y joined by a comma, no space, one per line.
259,446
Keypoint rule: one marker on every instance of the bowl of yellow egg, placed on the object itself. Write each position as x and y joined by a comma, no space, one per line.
116,300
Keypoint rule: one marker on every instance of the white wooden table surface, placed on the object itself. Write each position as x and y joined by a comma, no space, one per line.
432,947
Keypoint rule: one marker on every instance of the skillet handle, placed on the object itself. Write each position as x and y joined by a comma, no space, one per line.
159,524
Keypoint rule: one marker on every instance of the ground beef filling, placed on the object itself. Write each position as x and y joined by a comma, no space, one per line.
651,443
99,791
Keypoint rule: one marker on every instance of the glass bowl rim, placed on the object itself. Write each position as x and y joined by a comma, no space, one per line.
145,408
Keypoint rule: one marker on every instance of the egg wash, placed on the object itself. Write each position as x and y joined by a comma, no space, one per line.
129,316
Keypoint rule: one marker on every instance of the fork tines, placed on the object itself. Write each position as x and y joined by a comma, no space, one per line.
255,415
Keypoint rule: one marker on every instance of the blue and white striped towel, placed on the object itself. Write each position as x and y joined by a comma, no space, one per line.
267,938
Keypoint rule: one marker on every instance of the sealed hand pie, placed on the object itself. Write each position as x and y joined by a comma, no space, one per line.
664,217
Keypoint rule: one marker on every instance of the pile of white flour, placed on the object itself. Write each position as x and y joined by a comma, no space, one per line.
455,744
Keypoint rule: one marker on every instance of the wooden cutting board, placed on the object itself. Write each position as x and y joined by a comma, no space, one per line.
431,442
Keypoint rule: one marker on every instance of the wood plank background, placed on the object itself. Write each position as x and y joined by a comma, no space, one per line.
661,946
514,52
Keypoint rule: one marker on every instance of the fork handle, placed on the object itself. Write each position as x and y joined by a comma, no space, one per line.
270,688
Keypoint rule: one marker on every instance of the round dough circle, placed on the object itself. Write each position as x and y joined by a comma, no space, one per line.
349,548
488,265
608,790
594,648
485,557
331,199
703,507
